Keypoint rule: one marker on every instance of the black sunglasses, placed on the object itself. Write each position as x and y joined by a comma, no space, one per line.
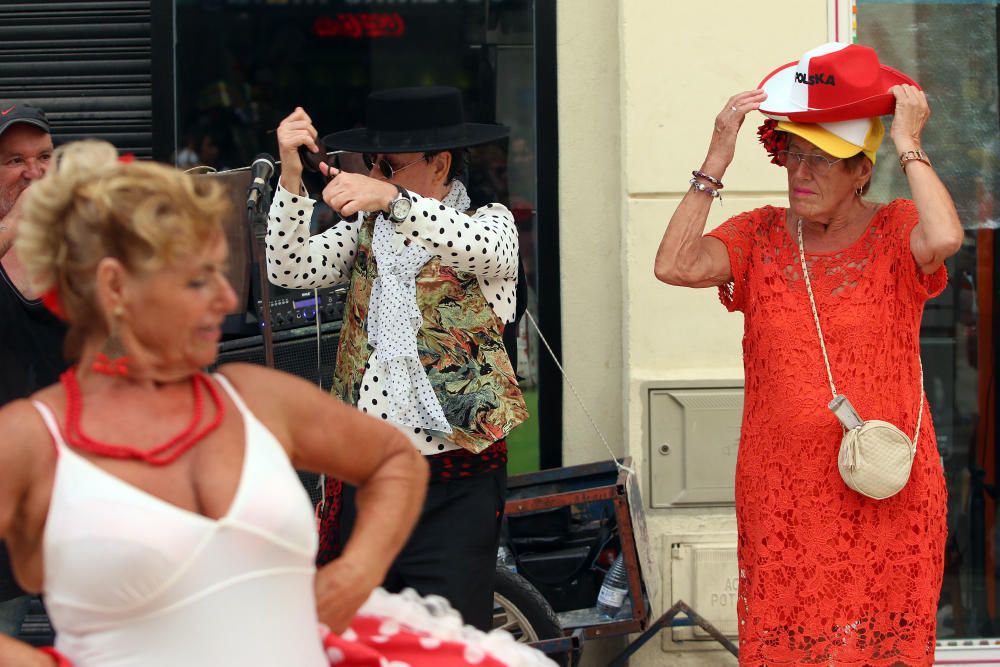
384,166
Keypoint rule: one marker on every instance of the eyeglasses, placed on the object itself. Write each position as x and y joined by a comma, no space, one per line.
819,163
372,159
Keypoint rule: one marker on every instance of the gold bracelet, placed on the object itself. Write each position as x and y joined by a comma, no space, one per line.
907,156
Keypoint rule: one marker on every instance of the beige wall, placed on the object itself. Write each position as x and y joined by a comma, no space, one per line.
640,82
590,223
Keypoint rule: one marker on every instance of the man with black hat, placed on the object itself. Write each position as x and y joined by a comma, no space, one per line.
431,285
30,336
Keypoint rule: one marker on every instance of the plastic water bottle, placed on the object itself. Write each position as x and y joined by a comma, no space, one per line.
614,590
506,558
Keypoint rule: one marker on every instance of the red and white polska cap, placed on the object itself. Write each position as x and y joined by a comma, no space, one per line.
832,83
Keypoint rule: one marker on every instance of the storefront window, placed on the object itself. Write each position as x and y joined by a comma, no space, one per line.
242,65
950,48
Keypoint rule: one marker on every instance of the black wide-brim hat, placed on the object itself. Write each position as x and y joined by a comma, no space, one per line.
414,120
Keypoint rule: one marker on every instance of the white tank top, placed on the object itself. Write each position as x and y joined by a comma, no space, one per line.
132,580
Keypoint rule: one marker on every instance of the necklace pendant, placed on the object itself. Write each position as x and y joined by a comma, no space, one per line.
107,366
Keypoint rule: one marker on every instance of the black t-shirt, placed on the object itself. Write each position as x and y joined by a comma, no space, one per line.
31,357
31,344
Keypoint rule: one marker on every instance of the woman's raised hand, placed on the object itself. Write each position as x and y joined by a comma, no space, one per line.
727,125
294,131
912,112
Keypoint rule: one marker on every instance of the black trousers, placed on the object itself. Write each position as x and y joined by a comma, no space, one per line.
453,549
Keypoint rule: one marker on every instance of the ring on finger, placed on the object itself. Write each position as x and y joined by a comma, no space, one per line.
734,109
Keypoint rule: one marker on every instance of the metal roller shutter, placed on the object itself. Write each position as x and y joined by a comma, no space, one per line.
89,65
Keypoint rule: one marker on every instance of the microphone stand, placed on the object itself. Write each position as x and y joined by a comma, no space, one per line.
257,216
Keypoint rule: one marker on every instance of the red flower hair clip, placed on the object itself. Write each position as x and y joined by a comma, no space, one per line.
126,158
53,303
774,140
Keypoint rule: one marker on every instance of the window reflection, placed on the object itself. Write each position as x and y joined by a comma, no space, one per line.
959,336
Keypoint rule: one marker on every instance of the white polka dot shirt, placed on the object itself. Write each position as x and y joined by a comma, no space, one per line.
484,243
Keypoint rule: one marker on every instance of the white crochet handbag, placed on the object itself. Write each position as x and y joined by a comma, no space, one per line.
875,457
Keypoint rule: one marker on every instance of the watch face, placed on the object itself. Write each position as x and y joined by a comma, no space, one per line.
400,208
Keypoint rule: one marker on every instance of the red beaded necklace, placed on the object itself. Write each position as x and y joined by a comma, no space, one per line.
159,455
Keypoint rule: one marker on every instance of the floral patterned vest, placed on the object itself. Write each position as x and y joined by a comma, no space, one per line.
460,345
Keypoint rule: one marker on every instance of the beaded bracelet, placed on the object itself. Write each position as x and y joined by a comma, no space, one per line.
61,660
701,187
711,179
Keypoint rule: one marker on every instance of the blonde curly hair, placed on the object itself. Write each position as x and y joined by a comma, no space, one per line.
89,205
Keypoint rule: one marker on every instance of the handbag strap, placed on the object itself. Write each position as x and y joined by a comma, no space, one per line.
822,342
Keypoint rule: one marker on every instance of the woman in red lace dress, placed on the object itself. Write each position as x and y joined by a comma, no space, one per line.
827,575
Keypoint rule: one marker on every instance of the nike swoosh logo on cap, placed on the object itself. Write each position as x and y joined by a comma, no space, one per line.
4,113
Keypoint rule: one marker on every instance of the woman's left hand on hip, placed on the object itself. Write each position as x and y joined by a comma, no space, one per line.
341,588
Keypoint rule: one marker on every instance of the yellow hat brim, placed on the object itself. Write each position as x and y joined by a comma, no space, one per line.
836,146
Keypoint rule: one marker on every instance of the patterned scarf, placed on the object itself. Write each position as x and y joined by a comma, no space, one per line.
394,319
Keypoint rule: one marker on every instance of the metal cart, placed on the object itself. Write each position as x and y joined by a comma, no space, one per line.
563,527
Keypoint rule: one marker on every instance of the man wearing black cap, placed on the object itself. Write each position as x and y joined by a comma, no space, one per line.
26,147
432,283
30,337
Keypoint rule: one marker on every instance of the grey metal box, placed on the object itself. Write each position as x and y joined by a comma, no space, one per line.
693,435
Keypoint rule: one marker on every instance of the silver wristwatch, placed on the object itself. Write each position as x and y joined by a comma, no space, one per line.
399,207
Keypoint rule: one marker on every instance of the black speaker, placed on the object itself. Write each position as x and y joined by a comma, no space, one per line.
302,352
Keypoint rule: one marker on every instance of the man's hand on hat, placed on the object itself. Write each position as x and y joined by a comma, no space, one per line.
912,112
294,131
348,193
727,125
